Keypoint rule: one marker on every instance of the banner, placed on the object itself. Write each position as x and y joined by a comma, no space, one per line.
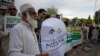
76,36
69,33
53,37
10,22
69,39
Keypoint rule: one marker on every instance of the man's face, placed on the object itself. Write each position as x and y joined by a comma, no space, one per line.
12,11
31,17
32,13
43,15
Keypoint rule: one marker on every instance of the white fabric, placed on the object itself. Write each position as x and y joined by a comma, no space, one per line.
95,34
87,30
25,6
22,41
53,37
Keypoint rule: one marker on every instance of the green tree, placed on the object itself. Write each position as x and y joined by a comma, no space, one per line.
82,20
89,21
97,17
65,19
52,11
75,20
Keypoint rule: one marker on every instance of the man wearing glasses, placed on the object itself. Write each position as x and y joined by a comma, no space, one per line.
41,18
2,14
10,11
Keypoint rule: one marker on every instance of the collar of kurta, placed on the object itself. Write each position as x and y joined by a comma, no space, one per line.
25,23
28,26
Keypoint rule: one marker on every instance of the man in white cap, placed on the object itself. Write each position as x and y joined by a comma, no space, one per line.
23,40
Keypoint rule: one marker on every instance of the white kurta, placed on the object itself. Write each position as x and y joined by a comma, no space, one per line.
22,41
95,34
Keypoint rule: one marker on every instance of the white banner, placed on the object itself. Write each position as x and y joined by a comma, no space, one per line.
50,45
10,22
53,37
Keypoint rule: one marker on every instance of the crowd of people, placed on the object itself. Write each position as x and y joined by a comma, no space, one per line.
4,36
23,40
92,33
24,37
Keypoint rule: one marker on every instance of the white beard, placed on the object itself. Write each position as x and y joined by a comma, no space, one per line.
32,22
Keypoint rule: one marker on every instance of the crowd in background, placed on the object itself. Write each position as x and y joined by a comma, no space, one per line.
92,32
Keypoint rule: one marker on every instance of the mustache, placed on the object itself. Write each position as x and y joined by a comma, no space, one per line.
35,17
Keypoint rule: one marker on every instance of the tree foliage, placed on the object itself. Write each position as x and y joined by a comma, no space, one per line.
97,17
82,20
52,11
89,21
75,20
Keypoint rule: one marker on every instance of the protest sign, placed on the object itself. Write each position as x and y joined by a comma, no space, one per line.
69,39
53,37
10,22
76,36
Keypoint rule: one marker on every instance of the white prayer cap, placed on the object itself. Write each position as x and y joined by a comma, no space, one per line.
25,7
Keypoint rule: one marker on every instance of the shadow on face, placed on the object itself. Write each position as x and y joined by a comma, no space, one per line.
12,10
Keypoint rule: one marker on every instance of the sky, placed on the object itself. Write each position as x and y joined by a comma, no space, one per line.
68,8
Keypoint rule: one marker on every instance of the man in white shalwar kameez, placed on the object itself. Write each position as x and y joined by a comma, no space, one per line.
23,40
95,34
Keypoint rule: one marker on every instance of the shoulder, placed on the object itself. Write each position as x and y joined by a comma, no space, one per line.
17,27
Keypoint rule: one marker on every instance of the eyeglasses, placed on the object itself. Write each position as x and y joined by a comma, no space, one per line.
10,9
32,13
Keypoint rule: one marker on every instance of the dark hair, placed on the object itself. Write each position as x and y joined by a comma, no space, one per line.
41,10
